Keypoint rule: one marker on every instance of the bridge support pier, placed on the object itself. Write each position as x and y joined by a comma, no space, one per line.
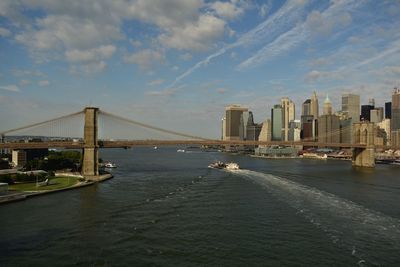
364,134
90,164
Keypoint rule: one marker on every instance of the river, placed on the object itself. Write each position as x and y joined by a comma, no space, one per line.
165,208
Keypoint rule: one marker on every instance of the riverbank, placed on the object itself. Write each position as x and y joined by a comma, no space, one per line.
19,196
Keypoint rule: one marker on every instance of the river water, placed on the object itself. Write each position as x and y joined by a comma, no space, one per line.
165,208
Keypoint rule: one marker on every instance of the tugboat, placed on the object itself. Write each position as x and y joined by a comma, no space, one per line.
227,166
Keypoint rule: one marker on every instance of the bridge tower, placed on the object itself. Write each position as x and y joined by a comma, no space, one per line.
90,166
364,134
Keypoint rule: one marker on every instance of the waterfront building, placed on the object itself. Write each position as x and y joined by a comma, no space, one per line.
265,133
288,114
295,130
233,116
253,131
376,115
328,129
395,118
388,110
351,106
395,138
314,107
18,158
277,152
327,108
276,122
308,127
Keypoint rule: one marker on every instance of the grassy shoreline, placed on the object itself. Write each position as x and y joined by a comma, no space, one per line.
54,183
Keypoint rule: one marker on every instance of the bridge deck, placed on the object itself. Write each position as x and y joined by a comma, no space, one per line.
123,144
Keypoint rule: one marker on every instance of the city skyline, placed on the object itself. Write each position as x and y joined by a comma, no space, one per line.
180,70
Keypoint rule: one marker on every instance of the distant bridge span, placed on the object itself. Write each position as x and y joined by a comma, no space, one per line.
136,143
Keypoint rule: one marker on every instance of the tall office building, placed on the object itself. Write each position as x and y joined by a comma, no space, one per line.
328,129
327,109
376,115
351,106
233,116
246,121
395,120
366,112
306,108
276,122
288,114
294,130
265,134
314,107
223,130
388,110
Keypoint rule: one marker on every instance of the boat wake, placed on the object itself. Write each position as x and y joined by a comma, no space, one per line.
358,229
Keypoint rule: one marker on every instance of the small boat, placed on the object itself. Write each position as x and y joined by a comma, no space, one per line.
110,165
232,166
181,150
155,147
221,165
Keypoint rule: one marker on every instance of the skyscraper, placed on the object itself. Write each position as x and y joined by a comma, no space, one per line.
327,109
276,121
366,112
395,121
288,114
328,129
376,115
388,110
233,115
314,107
306,108
351,106
246,121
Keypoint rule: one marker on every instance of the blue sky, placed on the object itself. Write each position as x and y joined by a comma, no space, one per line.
177,63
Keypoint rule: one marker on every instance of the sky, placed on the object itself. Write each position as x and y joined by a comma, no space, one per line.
177,63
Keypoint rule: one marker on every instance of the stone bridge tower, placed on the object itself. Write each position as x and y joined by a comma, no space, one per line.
90,165
364,135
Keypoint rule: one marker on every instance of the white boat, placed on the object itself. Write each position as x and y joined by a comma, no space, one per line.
227,166
181,150
110,165
155,147
232,166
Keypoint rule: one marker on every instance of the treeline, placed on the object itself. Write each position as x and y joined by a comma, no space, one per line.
57,160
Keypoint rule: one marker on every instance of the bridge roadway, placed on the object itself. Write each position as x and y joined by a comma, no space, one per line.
124,144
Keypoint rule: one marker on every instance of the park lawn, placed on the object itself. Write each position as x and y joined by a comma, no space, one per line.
54,183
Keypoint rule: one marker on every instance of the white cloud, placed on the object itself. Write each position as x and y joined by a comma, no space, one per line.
4,32
11,88
264,9
229,10
196,36
89,68
90,55
146,58
27,73
43,83
156,82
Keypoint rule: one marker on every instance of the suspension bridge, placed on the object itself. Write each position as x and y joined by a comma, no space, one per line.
98,126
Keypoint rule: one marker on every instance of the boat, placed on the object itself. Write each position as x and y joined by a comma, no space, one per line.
110,165
232,166
155,147
224,166
181,150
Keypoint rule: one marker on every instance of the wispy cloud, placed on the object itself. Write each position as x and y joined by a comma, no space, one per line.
316,21
288,14
11,88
